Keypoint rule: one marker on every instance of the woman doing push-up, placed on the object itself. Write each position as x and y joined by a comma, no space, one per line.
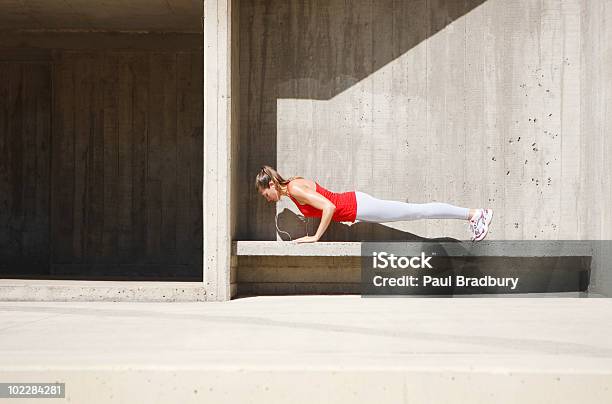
355,206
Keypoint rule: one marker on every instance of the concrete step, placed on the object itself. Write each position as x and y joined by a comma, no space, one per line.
281,268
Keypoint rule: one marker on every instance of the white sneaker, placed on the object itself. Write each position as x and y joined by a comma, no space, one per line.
481,226
475,223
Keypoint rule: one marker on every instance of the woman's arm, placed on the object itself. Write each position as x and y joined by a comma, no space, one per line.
315,199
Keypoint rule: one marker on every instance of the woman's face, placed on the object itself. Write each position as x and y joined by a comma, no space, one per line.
271,194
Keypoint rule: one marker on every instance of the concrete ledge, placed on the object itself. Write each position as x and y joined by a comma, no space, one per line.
281,248
108,291
502,248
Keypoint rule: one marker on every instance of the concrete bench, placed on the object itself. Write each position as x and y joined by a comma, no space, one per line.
494,248
281,267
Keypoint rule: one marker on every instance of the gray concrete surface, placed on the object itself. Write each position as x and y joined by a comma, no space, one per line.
496,103
475,103
315,349
516,248
219,142
281,267
109,15
104,291
596,123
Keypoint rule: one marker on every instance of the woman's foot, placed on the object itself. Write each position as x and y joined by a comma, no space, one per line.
474,223
479,223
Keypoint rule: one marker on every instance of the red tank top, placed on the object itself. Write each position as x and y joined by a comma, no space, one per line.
346,205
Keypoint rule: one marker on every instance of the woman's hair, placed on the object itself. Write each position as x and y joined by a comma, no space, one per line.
262,181
267,174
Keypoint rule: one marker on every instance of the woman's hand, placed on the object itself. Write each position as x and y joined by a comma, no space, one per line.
307,239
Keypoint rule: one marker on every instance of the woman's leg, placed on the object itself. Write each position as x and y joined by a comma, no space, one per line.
370,209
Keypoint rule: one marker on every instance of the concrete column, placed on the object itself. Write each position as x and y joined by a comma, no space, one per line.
217,150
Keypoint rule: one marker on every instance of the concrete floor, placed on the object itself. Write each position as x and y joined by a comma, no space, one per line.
314,349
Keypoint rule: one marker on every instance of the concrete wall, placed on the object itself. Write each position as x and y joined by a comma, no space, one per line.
496,103
236,140
108,15
596,127
104,180
25,137
219,147
472,103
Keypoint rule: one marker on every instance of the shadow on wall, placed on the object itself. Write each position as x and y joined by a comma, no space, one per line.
297,227
314,50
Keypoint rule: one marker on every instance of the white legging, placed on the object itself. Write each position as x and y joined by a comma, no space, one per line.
370,209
